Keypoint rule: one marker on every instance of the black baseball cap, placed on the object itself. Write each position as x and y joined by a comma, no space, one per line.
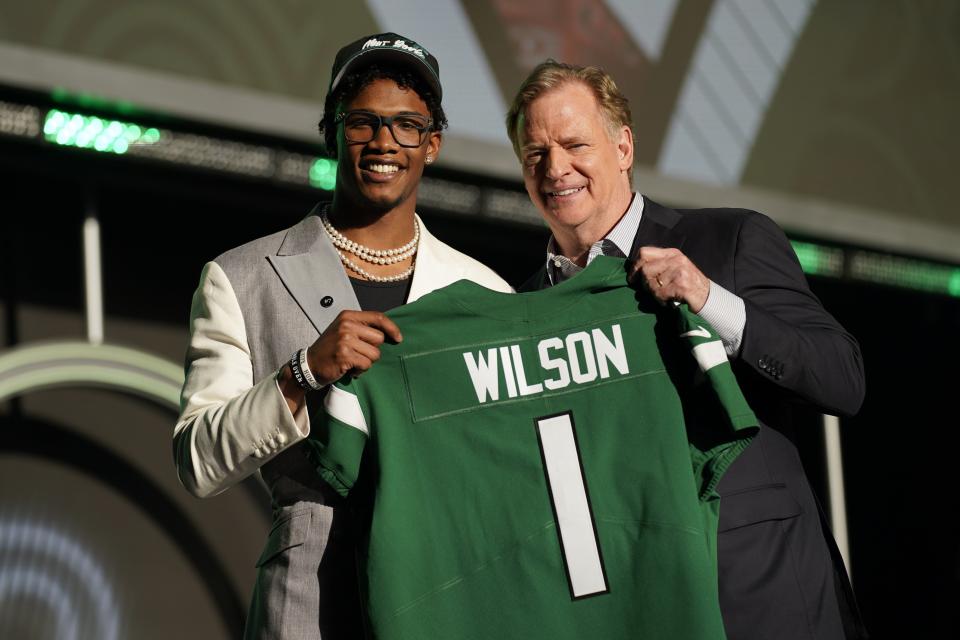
389,47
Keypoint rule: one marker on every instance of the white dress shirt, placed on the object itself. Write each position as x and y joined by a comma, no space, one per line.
724,310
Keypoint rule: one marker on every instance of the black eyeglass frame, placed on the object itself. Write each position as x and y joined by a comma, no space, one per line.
387,121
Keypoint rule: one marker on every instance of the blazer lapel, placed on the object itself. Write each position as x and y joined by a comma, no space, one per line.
658,228
310,270
432,271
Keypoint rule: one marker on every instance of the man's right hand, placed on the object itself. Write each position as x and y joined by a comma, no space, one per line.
351,344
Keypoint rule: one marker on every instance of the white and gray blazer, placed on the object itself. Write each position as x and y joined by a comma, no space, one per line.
255,306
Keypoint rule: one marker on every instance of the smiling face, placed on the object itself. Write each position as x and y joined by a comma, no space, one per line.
380,174
576,170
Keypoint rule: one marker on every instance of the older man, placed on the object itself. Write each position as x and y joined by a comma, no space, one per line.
780,575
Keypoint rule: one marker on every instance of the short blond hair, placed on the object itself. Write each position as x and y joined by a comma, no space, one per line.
550,74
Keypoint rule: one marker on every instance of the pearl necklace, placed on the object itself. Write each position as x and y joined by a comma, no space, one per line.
353,266
373,256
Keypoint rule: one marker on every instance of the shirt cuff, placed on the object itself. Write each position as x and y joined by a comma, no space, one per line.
727,314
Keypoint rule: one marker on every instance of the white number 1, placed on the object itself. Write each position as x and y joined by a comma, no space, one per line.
571,505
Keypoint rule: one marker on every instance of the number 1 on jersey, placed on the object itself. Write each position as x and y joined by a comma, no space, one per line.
571,505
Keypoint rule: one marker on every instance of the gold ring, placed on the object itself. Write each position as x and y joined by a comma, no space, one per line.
659,284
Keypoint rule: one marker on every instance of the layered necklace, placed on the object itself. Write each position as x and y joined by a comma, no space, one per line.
373,256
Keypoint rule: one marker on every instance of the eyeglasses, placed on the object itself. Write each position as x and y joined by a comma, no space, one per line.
409,130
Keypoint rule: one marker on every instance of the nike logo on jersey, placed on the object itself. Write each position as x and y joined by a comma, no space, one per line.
577,358
699,332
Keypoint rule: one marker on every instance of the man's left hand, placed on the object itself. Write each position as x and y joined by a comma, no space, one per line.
669,275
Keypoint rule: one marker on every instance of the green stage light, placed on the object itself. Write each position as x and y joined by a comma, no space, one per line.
818,260
90,131
91,101
878,268
98,134
55,120
953,285
107,135
908,273
323,174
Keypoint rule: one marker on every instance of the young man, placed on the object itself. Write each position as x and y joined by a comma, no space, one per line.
780,575
278,319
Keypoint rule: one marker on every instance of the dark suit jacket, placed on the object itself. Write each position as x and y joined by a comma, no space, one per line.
781,577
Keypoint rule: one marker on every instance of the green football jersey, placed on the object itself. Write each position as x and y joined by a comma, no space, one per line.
539,465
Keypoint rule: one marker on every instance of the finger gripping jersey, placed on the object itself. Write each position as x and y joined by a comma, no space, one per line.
538,465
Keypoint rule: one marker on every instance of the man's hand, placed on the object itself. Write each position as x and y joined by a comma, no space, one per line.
669,275
351,344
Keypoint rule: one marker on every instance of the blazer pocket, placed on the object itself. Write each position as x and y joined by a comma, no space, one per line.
759,504
289,532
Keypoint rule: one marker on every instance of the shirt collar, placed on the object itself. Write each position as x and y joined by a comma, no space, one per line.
617,243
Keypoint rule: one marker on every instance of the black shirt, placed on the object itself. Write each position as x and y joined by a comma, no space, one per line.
380,296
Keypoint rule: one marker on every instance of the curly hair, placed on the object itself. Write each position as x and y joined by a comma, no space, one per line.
351,86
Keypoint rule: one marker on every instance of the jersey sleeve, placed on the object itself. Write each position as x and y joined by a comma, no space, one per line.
733,424
340,435
711,356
